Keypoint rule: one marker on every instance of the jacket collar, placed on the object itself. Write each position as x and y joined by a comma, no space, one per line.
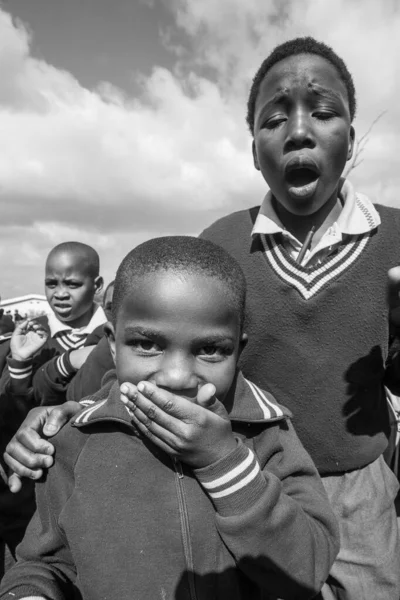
245,402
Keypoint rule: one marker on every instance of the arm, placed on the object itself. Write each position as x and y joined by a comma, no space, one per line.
45,566
273,514
51,381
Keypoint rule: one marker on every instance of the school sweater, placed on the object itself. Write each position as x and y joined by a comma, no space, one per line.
318,335
52,359
119,518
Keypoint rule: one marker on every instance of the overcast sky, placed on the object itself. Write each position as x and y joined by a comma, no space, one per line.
125,120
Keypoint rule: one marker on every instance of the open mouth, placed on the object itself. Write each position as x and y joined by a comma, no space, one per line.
301,176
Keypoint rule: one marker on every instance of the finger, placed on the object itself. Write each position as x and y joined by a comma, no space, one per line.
155,414
206,395
128,393
59,416
20,327
171,404
154,432
21,470
14,483
394,284
28,440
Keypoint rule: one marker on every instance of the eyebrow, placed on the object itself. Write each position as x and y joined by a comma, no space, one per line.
317,89
320,90
280,95
67,279
129,330
154,333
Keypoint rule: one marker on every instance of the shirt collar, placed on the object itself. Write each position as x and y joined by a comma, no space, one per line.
358,215
98,318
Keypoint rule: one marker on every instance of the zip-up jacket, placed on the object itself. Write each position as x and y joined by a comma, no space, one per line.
117,518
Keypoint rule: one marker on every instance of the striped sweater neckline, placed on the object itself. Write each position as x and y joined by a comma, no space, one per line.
310,280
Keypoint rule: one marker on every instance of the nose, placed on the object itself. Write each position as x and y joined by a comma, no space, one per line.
299,131
61,293
176,374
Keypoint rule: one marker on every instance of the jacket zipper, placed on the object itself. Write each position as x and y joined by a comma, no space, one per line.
187,546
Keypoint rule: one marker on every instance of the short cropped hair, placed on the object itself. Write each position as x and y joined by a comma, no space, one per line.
301,45
180,254
88,254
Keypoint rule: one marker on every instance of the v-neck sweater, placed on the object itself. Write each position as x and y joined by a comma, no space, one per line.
318,336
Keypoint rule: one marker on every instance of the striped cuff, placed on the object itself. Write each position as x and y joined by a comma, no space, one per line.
233,483
19,369
63,366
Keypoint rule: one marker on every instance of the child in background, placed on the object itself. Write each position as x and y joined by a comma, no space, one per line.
198,487
88,378
107,299
71,281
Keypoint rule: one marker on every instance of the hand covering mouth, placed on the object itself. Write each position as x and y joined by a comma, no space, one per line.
300,172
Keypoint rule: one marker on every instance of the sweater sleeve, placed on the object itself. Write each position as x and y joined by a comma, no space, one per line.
273,514
44,565
20,376
51,381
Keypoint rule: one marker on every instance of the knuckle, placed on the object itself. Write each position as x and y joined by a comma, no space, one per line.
180,444
148,432
147,423
150,393
151,413
168,406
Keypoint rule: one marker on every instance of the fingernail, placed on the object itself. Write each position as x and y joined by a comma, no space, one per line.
141,387
124,389
50,428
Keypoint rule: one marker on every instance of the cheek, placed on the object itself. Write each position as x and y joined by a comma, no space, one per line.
268,159
82,297
223,376
337,150
130,368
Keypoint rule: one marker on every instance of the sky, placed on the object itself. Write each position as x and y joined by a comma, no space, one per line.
121,121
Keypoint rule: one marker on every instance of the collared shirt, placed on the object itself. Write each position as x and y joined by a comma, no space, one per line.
56,326
70,338
358,216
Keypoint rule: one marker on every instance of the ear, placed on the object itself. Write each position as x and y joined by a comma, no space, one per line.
110,334
243,343
255,159
352,137
98,284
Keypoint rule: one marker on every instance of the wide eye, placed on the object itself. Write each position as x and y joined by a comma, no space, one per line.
145,346
209,350
214,353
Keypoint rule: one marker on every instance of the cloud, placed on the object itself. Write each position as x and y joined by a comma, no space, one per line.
112,170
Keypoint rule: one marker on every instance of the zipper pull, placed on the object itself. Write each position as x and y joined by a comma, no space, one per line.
178,468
